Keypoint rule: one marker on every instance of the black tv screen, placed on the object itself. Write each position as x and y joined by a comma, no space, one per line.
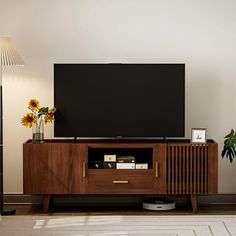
119,100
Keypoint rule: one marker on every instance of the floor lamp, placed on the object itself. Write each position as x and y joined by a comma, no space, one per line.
8,57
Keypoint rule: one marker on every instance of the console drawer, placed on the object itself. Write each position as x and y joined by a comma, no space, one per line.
120,182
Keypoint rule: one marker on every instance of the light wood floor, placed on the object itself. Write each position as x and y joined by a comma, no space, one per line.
120,210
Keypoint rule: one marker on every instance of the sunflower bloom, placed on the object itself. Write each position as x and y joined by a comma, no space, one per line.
49,118
29,119
33,104
52,110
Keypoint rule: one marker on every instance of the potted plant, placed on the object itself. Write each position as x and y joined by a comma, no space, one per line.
229,148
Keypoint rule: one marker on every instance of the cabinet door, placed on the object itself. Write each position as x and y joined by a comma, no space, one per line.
52,168
60,171
35,168
159,154
191,168
79,169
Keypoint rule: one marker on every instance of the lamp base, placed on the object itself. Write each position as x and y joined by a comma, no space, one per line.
8,212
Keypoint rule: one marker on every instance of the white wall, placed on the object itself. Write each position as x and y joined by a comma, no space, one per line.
201,34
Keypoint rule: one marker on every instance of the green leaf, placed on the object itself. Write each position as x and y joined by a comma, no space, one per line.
229,148
43,111
223,152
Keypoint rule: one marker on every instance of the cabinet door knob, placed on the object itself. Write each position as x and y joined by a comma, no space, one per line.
157,169
84,169
120,181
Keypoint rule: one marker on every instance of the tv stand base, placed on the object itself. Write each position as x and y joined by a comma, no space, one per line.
193,198
47,202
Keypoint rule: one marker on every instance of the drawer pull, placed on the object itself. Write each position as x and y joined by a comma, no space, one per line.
120,181
84,169
157,169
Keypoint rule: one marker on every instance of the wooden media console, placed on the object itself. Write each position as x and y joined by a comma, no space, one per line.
67,167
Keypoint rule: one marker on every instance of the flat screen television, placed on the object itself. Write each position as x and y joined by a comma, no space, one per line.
119,100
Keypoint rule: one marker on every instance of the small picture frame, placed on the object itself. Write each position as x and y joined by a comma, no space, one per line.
198,135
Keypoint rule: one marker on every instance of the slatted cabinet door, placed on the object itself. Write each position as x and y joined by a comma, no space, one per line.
191,168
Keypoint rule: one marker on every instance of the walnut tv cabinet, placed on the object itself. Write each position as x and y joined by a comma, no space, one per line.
66,167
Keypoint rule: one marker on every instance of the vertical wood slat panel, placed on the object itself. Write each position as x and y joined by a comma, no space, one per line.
202,168
205,170
184,169
180,162
173,169
169,170
176,171
198,159
191,170
195,169
187,167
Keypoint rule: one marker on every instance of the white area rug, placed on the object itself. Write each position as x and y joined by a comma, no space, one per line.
118,225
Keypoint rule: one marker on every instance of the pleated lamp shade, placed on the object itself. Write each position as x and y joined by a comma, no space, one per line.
8,53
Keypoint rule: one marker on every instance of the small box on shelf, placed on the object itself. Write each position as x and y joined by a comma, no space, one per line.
109,165
97,164
141,166
110,158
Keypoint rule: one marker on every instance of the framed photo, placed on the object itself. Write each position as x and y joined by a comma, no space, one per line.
198,135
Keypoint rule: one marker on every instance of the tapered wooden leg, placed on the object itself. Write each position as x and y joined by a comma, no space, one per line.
193,198
46,203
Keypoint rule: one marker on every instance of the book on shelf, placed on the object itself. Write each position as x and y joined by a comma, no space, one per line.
126,159
125,165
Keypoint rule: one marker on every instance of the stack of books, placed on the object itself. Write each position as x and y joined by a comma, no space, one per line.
125,162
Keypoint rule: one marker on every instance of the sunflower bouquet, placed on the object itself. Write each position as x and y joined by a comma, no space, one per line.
38,114
37,117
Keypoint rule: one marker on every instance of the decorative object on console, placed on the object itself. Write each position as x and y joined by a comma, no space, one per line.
229,149
109,165
141,166
109,161
198,135
126,159
8,57
110,158
97,164
36,118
